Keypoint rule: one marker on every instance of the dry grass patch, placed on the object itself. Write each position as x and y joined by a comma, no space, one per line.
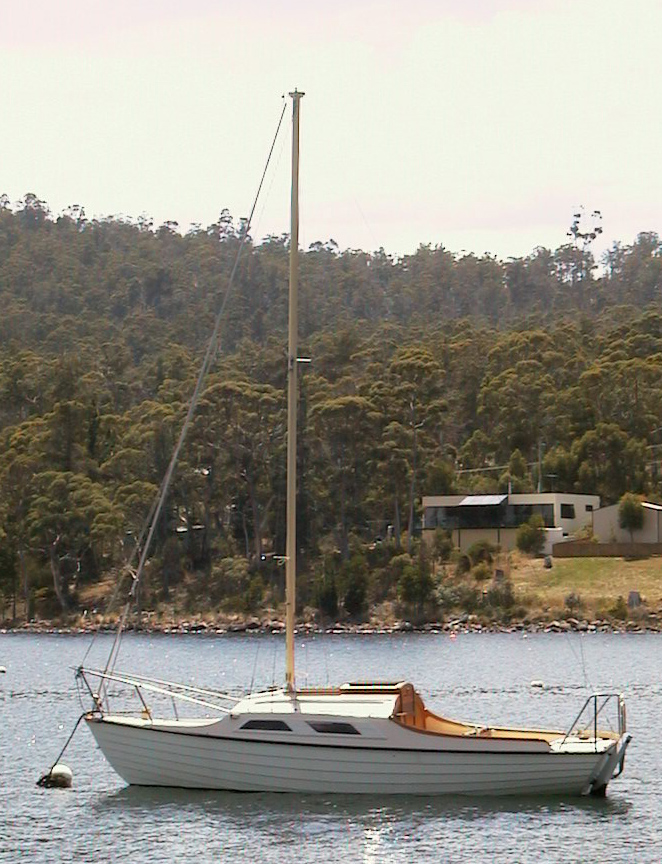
598,581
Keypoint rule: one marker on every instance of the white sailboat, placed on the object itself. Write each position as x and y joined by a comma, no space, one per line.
375,738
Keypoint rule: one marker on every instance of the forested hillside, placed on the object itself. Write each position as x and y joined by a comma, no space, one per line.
423,369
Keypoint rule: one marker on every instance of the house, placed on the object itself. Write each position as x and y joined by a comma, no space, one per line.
497,517
607,530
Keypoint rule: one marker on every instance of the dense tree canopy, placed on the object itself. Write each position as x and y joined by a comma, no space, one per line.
430,373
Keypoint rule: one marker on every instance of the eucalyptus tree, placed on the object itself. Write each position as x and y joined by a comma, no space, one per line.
416,384
627,391
512,407
16,472
604,461
346,427
609,462
73,523
239,434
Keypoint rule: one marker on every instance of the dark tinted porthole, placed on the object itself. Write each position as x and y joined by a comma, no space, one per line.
333,728
268,725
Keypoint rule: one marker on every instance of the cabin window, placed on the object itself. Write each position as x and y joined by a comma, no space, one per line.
567,511
334,728
267,725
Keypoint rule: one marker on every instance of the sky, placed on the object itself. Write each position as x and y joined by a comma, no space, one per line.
479,125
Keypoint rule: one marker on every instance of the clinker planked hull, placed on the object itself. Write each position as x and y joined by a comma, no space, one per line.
143,754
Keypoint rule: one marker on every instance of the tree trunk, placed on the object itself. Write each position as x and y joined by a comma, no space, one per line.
204,545
397,528
57,575
344,540
25,581
165,580
188,539
257,522
246,538
412,488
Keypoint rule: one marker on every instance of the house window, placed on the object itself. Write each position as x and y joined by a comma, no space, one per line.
567,511
334,728
589,508
516,514
267,725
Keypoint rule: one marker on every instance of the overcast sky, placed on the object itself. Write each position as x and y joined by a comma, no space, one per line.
477,124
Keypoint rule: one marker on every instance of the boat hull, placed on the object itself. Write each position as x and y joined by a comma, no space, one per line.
146,755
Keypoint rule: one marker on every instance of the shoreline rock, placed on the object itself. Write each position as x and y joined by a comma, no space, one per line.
465,624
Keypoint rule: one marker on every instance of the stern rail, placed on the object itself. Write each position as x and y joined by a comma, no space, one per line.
592,709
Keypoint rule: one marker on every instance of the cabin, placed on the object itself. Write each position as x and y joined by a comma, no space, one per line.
496,518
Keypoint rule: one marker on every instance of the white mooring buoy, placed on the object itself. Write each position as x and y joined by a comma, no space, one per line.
59,777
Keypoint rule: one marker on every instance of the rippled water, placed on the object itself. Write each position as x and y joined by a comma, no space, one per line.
478,676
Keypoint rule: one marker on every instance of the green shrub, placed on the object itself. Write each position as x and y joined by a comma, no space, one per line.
254,594
468,598
463,565
172,568
482,572
619,609
415,586
500,596
531,535
353,585
446,597
399,562
630,514
481,551
379,553
355,596
46,603
442,545
229,580
573,602
327,596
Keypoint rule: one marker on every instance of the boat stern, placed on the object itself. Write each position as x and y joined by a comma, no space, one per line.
611,767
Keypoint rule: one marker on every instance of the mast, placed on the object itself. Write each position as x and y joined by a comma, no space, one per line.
291,543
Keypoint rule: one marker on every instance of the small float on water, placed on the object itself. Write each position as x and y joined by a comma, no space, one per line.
59,777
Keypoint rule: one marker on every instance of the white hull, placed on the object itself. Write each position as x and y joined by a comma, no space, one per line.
146,755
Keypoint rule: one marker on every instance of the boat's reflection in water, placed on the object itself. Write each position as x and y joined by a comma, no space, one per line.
260,807
346,829
274,829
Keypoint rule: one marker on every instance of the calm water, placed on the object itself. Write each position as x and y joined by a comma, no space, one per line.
479,676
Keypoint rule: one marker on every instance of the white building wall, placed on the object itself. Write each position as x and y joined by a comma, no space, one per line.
607,530
582,518
552,536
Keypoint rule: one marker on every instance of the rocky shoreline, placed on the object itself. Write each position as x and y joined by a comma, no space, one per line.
462,625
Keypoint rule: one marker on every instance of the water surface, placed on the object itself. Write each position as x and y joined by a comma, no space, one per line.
482,677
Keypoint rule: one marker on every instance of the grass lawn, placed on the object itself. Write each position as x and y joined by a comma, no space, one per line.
598,581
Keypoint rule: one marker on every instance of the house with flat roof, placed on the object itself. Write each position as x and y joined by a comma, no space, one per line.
497,517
